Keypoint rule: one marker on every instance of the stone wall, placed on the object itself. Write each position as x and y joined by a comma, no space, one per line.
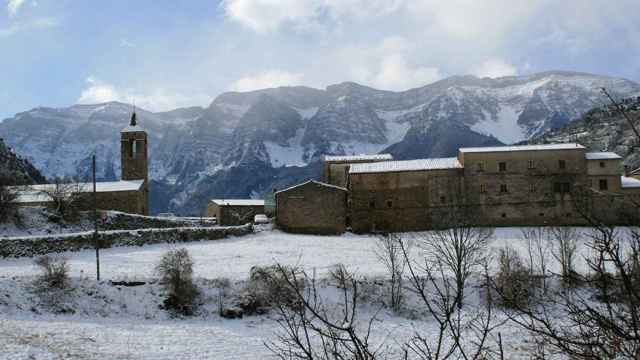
41,245
312,208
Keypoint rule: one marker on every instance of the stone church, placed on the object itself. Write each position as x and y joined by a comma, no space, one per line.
130,194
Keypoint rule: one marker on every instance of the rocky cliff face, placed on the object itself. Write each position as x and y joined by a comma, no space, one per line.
246,144
15,170
603,128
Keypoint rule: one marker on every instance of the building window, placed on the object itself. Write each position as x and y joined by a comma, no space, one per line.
481,166
503,188
389,203
502,166
562,164
504,215
562,187
602,164
603,184
532,188
443,199
372,204
541,214
531,164
483,188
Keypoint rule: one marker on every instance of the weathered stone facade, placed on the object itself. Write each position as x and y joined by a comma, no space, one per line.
501,186
235,211
312,207
335,169
134,160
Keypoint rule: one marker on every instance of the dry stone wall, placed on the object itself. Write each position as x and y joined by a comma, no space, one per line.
40,245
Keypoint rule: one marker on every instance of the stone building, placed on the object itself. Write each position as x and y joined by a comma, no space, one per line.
131,194
230,212
335,169
501,186
312,207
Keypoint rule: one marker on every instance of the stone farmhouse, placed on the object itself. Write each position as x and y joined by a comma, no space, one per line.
130,194
230,212
554,184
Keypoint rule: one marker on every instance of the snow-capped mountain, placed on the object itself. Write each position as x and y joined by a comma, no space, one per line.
246,144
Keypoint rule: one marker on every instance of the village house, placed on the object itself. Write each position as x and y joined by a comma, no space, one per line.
312,207
549,184
231,212
336,168
130,194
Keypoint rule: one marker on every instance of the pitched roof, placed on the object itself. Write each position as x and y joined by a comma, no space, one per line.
541,147
629,182
238,202
602,156
361,157
38,193
314,182
406,165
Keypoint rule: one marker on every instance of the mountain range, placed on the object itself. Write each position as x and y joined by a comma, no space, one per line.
246,144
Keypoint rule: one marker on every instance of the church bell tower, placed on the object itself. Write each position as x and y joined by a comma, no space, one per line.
134,157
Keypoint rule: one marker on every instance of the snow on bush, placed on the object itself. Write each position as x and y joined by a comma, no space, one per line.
176,274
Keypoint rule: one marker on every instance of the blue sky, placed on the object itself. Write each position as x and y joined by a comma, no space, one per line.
164,54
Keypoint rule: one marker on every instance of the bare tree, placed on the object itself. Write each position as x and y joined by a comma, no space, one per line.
65,196
565,244
538,251
459,336
321,330
389,253
601,318
459,246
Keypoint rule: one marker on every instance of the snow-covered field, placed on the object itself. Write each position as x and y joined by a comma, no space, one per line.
127,324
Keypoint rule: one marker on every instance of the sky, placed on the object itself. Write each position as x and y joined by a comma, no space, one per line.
164,54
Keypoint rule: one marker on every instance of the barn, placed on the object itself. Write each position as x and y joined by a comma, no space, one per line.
312,207
230,212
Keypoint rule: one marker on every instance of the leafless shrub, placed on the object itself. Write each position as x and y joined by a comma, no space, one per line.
321,330
65,196
176,274
389,253
565,244
267,288
513,280
54,272
538,251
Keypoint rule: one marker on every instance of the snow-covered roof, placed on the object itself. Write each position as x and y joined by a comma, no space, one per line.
541,147
406,165
136,128
629,182
238,202
315,182
38,193
361,157
602,156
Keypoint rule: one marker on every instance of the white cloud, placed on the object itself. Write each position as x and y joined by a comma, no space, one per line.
267,79
13,6
395,73
35,24
267,15
159,99
494,68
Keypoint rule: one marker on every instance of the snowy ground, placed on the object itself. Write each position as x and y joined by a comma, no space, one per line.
126,323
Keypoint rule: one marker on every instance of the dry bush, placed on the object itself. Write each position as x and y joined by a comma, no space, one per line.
176,273
389,253
268,287
54,272
66,194
565,240
513,280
